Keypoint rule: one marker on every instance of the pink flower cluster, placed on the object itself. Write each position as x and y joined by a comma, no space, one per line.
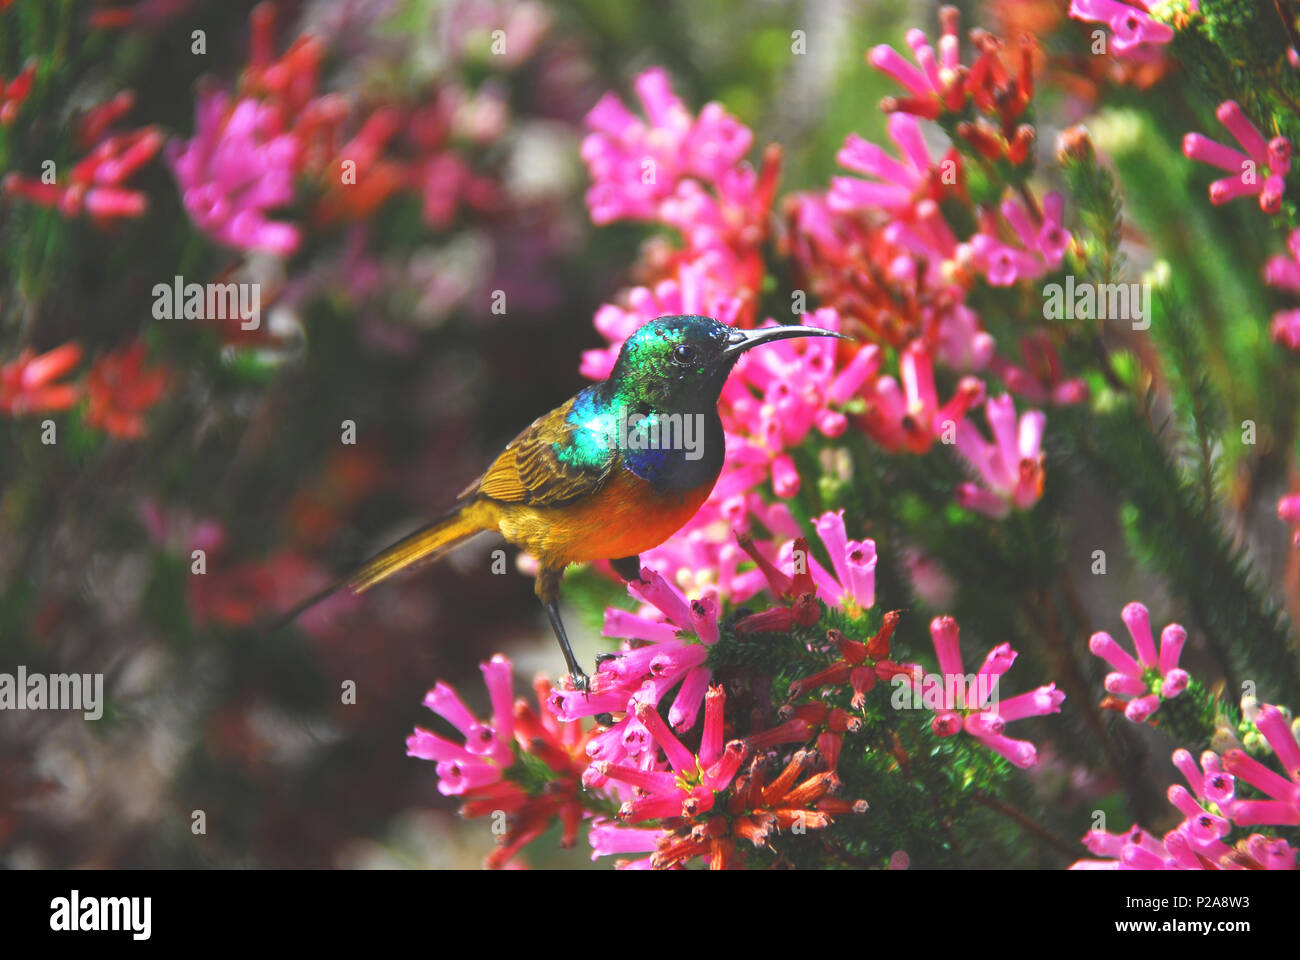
1258,169
639,167
1010,469
1153,677
1283,272
1212,806
1135,32
236,168
978,711
667,642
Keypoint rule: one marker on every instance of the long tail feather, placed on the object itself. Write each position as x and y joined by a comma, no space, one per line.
424,545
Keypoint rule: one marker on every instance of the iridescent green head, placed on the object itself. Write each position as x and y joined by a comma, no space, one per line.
681,363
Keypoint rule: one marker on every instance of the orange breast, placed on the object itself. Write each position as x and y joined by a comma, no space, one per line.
624,518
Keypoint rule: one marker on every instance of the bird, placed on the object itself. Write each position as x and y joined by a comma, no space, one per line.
614,471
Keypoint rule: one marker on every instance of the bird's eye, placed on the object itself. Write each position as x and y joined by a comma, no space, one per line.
684,354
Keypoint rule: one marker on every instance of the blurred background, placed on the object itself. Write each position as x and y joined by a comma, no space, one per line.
387,315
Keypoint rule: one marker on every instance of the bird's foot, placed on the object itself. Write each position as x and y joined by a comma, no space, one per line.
604,719
580,681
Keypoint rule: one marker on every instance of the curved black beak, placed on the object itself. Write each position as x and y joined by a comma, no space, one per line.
738,341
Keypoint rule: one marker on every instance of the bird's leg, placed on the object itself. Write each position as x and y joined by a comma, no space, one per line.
547,589
629,568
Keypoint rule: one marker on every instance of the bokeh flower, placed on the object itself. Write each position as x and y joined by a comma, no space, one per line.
1258,169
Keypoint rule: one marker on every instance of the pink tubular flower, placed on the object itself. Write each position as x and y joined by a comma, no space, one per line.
1010,469
1284,273
898,184
910,417
1152,678
483,757
608,839
674,648
1131,24
476,771
234,170
853,587
1283,805
1043,242
936,83
1040,380
697,288
777,396
1288,510
688,789
1211,809
975,708
1260,170
850,586
1139,850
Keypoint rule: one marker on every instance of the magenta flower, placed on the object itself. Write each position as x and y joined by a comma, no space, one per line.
1010,469
936,83
850,586
698,288
777,396
673,654
853,587
1283,805
1152,678
1043,242
1260,170
910,417
236,168
895,184
486,753
1288,510
1041,379
1139,850
976,708
635,166
1204,805
960,342
1131,24
686,790
608,839
702,558
1284,273
1210,810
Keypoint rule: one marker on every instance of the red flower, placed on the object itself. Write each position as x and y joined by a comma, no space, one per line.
27,384
146,14
15,92
121,389
96,185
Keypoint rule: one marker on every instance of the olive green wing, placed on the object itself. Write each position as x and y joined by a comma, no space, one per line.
551,462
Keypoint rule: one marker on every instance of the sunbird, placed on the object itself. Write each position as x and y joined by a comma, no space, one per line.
616,470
